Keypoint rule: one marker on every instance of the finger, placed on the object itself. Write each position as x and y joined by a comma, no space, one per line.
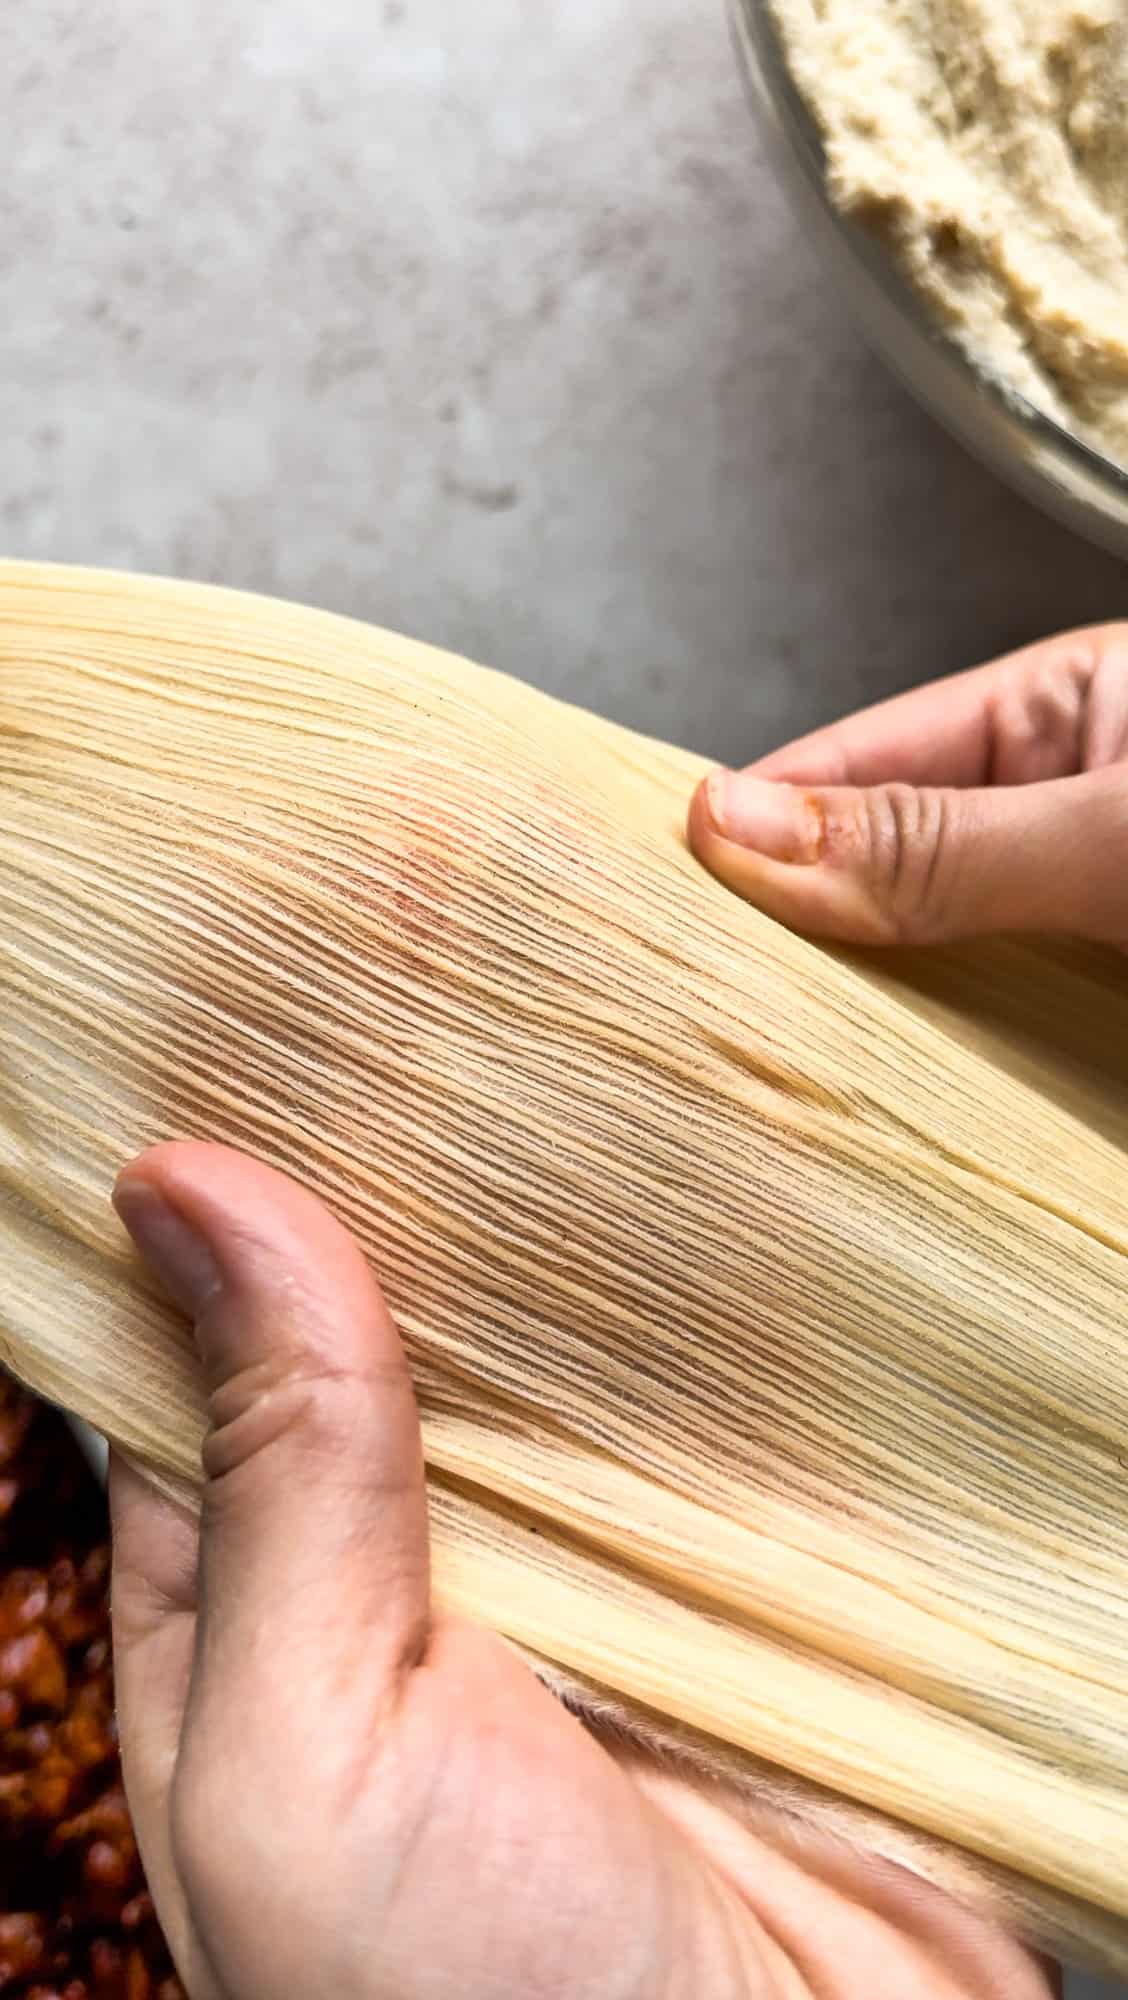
900,864
1050,711
153,1611
313,1560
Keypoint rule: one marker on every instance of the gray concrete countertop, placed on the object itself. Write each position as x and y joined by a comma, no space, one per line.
487,323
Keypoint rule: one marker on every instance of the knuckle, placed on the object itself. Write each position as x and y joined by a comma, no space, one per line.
258,1407
253,1411
1046,717
904,833
1038,718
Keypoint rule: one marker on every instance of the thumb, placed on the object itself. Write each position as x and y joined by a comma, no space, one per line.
313,1528
889,864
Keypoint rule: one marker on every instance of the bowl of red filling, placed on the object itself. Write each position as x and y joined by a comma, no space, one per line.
76,1920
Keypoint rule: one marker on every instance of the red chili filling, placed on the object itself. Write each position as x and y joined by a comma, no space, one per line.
76,1921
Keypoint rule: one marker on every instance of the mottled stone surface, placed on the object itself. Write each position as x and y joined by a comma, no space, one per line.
486,322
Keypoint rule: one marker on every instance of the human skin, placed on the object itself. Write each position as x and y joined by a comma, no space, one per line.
337,1788
993,801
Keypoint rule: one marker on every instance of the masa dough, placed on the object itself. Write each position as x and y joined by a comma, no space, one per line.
986,141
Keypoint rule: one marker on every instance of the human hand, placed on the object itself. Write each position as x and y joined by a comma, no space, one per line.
337,1789
993,801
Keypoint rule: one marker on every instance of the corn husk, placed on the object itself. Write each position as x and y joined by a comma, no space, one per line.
766,1305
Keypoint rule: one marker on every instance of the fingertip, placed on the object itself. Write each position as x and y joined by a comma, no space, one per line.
240,1205
752,833
136,1170
160,1165
798,885
259,1264
172,1164
701,830
736,866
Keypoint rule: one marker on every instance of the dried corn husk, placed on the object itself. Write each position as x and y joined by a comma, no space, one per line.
766,1306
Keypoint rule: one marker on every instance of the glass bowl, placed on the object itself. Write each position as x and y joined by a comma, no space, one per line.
1037,456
